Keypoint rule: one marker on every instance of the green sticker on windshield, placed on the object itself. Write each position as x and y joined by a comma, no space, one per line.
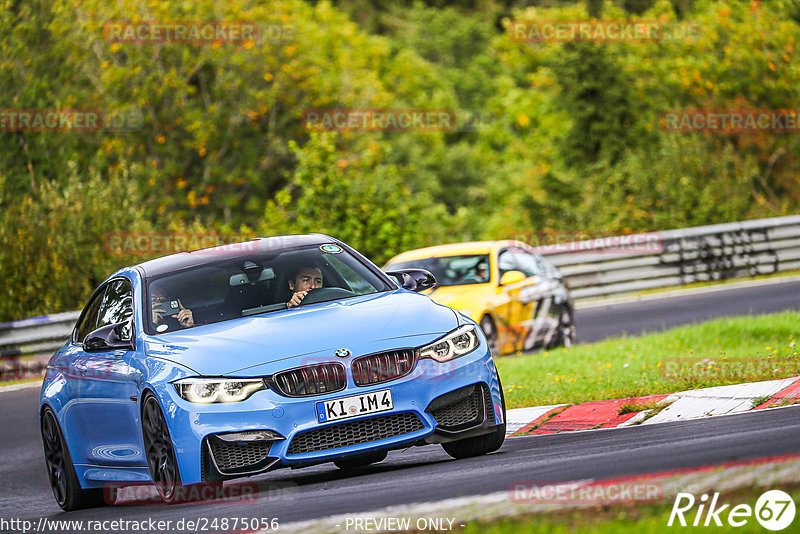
331,248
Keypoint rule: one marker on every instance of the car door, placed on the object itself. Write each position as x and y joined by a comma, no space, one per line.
71,364
511,308
538,294
107,390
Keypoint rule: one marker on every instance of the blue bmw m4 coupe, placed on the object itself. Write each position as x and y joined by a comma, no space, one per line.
278,352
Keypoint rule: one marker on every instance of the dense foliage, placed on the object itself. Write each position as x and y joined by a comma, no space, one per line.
552,135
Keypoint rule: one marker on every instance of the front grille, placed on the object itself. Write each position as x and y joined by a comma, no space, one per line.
355,432
310,380
231,456
382,367
467,412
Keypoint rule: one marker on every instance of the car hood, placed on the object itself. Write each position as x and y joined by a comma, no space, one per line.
286,338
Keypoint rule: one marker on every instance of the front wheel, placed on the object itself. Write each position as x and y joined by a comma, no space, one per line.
159,451
483,444
60,470
565,331
487,325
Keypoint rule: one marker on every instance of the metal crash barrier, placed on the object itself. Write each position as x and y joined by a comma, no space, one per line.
593,269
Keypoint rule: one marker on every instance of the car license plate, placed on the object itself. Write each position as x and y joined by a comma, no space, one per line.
377,401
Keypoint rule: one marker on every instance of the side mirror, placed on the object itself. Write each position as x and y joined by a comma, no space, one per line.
510,278
109,337
414,279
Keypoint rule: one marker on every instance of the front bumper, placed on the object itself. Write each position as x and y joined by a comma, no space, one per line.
432,404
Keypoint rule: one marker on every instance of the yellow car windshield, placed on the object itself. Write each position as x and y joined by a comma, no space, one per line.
451,270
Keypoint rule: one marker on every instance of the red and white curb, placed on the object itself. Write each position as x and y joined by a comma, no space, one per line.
518,418
721,400
693,404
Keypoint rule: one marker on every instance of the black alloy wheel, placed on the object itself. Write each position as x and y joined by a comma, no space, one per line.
60,470
487,325
566,332
159,450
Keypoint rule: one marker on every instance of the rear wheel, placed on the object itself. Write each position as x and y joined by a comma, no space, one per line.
565,331
158,450
478,445
61,472
487,325
361,461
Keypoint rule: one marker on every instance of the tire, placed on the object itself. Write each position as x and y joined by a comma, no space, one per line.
479,445
565,331
361,461
159,450
487,325
60,470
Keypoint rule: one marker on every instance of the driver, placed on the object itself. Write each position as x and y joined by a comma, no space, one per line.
483,271
159,302
306,279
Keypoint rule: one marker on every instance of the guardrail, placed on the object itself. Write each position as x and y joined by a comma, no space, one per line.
603,267
26,345
594,268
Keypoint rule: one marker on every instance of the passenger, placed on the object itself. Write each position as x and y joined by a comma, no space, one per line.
306,279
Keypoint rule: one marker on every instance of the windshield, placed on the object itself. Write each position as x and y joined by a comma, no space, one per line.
254,284
451,270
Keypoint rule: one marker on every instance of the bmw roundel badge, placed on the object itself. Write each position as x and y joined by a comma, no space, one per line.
342,353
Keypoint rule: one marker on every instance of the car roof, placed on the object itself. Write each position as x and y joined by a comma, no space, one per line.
455,249
182,260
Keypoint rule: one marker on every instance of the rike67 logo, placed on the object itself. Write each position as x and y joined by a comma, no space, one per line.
774,510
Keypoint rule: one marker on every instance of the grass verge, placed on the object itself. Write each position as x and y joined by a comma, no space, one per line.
634,407
20,381
631,518
717,353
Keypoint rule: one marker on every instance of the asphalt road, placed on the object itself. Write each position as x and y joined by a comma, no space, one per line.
421,474
427,474
658,313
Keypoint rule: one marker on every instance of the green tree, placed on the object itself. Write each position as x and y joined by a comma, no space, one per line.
353,195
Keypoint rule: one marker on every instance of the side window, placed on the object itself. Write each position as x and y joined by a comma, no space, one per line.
117,305
505,262
89,319
528,263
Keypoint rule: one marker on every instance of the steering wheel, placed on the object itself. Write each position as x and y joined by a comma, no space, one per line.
326,293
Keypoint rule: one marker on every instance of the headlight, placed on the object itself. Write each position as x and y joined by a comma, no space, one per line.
208,390
457,343
465,313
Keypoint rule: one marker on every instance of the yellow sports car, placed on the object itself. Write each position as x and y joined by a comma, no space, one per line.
519,299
